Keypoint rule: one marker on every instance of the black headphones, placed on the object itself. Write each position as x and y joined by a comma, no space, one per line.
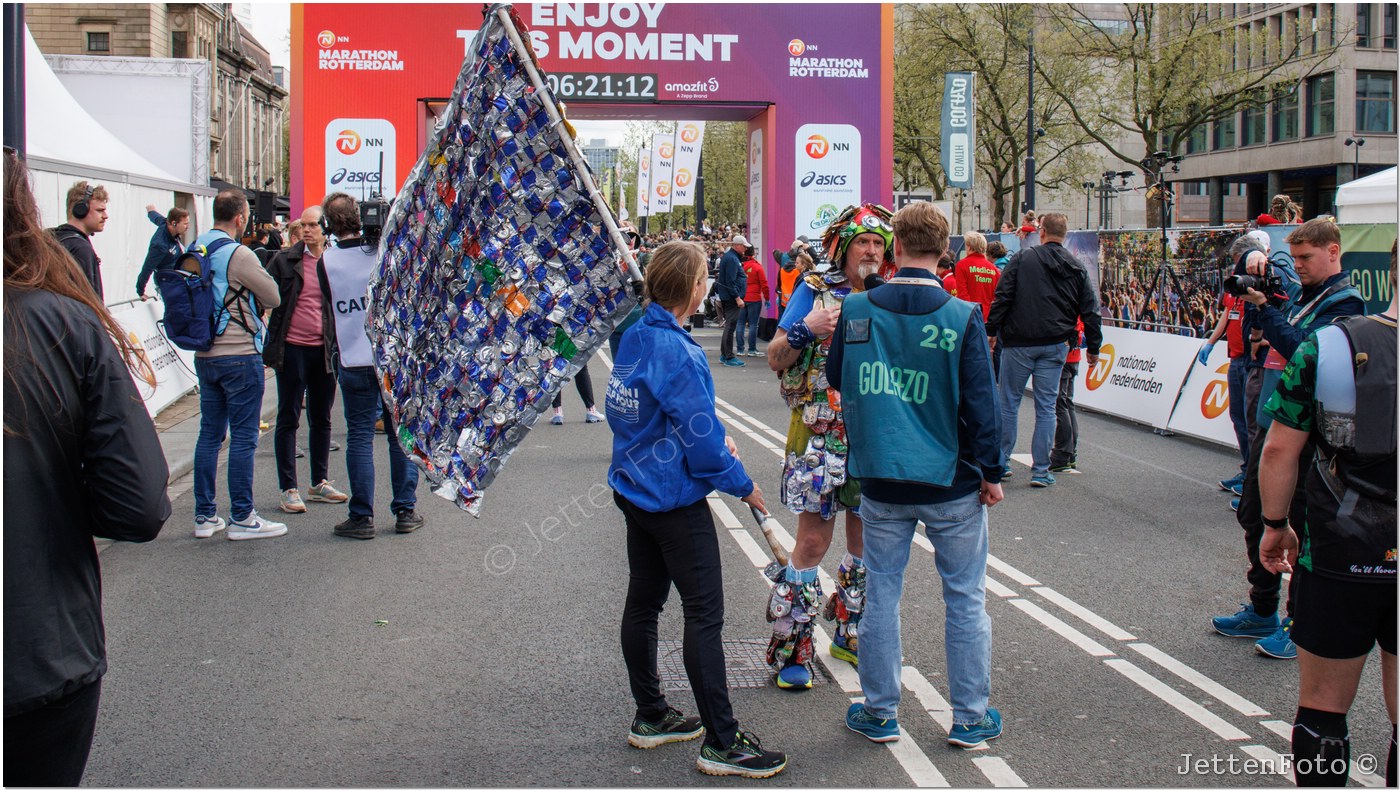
80,209
325,225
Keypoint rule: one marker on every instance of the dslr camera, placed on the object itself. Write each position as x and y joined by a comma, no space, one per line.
1270,284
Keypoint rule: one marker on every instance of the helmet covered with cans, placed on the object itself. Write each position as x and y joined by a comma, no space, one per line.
855,220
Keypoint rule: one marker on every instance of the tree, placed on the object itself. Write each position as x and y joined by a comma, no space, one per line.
1166,69
723,166
988,40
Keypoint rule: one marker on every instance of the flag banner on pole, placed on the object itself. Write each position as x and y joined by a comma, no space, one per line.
607,187
959,127
644,182
690,136
663,160
499,274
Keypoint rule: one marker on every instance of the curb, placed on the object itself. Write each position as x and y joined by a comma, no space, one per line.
186,465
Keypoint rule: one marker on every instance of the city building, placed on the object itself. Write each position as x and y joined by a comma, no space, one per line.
248,108
600,156
1328,121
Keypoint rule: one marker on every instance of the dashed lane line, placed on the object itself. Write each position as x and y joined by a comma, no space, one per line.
1176,699
1050,621
1198,680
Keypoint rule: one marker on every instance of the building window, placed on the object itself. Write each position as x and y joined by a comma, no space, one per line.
1388,41
1224,133
1285,114
99,42
1363,24
179,44
1375,101
1196,142
1322,99
1252,131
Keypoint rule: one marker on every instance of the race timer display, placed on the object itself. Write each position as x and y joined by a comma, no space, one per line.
583,86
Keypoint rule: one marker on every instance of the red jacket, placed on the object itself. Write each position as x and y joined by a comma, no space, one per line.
758,282
977,280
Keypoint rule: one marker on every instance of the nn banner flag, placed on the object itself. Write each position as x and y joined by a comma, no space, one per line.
959,127
663,160
644,182
690,136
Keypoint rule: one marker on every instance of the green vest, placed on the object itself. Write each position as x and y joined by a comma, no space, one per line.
899,390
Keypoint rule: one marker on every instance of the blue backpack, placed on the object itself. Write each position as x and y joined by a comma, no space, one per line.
193,313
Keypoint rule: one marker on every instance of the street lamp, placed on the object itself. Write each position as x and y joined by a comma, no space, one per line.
1088,193
1356,162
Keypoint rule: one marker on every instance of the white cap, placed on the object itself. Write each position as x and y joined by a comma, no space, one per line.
740,240
1261,237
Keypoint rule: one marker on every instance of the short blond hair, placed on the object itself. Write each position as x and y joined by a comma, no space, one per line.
673,271
1318,232
921,229
79,193
975,242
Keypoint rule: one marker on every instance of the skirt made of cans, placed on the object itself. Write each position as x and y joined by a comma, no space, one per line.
814,477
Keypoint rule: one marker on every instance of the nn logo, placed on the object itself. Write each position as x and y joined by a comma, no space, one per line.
1215,401
666,150
325,39
796,47
690,134
1098,374
817,146
683,177
663,189
347,142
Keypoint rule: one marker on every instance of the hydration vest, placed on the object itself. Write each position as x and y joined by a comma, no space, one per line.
1301,316
900,393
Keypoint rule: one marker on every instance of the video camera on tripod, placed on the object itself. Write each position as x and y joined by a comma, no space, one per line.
374,210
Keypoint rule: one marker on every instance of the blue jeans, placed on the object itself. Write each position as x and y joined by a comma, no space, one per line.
359,393
1239,368
230,402
748,318
958,532
1042,366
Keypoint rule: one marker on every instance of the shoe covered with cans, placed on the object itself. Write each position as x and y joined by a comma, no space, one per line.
845,607
792,607
497,276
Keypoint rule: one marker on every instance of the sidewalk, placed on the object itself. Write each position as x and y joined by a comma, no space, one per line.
178,427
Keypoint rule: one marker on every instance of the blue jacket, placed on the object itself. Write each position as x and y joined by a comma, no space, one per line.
668,445
165,249
731,283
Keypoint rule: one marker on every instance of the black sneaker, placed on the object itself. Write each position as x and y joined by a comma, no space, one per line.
744,758
359,528
672,728
407,521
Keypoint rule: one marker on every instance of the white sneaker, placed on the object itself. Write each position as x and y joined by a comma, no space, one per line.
206,527
255,526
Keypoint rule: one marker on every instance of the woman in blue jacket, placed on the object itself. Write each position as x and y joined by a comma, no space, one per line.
669,452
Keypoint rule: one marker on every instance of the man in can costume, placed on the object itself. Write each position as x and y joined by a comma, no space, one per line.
815,485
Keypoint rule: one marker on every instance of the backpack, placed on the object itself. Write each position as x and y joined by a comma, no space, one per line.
194,313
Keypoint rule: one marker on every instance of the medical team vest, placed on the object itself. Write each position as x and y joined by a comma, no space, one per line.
348,270
1351,496
899,389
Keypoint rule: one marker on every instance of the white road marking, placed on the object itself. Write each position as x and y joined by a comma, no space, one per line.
1282,729
998,589
1010,572
1198,680
1177,700
998,772
928,697
845,675
1061,627
1269,757
1149,464
782,437
1113,631
915,763
762,441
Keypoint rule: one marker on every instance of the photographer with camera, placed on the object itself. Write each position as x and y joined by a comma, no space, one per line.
345,271
1326,295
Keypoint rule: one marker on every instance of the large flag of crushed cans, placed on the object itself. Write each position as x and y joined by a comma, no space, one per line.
497,279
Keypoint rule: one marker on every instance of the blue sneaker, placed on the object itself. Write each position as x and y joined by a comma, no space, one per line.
970,735
1279,644
1235,504
1245,623
733,362
858,719
1234,484
1042,481
796,676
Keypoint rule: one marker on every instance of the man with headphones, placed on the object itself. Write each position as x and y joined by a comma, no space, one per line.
87,214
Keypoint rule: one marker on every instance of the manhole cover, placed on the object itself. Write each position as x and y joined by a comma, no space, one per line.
743,664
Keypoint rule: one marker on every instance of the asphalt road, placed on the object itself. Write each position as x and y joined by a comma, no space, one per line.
484,651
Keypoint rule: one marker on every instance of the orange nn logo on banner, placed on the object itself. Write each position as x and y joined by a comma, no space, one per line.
817,146
666,150
690,134
1215,401
683,177
1099,373
348,142
325,39
796,47
663,189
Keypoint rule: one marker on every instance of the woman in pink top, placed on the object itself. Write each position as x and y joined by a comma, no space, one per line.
298,348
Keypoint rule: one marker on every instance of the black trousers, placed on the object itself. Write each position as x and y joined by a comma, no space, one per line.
49,747
1066,449
303,373
678,546
1264,585
731,322
584,383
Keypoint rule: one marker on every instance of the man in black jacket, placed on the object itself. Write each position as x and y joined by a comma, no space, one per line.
300,340
167,244
730,286
87,214
1043,291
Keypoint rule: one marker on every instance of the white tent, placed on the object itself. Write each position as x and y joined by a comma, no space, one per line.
1369,199
65,144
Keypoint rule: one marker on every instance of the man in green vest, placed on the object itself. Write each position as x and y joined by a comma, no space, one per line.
912,366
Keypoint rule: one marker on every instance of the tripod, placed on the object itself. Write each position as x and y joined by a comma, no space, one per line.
1154,169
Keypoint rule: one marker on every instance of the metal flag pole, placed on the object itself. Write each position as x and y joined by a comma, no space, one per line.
527,58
